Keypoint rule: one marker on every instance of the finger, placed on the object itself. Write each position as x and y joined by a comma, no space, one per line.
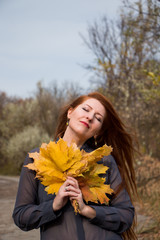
78,198
73,180
72,194
74,198
71,188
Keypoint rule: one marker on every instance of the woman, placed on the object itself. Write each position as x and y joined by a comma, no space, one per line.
90,121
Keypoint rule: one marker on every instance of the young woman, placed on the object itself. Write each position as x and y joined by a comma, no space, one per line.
90,121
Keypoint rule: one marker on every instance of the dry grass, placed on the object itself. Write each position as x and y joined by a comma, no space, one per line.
148,181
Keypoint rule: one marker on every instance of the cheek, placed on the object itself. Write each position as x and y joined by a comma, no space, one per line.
98,127
72,116
75,114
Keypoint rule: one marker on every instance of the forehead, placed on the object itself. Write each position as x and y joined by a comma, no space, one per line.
95,104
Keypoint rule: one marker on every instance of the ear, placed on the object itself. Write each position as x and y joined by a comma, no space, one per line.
70,110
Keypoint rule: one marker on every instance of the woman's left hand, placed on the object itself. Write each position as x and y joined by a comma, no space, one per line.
84,209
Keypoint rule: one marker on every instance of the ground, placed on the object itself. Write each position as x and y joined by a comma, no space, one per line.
9,231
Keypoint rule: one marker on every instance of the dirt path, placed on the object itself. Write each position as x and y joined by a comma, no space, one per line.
9,231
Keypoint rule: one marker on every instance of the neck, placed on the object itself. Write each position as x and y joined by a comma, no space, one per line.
72,138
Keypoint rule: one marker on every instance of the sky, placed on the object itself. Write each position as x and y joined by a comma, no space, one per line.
40,41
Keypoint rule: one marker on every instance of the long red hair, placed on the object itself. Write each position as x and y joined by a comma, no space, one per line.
115,134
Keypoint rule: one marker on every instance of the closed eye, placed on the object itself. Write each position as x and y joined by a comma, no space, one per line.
99,119
85,109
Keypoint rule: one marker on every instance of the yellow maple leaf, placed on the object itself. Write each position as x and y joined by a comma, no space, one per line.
56,160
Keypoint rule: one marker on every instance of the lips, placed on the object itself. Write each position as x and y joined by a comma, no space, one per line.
86,124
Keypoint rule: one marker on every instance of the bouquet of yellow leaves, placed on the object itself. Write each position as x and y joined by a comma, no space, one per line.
57,160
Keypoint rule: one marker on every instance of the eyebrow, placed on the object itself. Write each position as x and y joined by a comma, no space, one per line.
96,112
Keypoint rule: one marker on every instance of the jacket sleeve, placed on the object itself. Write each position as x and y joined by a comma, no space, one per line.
118,216
28,213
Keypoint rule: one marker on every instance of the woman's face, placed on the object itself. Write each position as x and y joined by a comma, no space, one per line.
85,121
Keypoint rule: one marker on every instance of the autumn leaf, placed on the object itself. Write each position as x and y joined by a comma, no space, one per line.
57,160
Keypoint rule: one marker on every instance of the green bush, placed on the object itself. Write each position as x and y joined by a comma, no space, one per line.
20,144
16,116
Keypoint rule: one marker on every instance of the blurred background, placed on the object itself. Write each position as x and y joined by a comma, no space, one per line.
53,51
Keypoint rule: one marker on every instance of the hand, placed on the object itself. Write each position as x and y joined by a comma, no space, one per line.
84,209
66,190
74,187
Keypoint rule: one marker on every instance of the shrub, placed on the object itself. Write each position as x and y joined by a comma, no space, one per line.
21,143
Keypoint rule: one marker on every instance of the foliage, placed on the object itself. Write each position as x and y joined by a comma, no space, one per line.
21,143
50,100
56,161
18,115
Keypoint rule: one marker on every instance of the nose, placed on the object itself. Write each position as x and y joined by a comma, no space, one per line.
90,116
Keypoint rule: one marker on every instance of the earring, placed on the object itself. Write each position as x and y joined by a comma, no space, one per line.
67,123
95,141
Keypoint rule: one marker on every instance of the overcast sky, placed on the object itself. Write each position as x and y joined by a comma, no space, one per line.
40,40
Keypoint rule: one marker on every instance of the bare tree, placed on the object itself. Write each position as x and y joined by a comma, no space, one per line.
125,52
